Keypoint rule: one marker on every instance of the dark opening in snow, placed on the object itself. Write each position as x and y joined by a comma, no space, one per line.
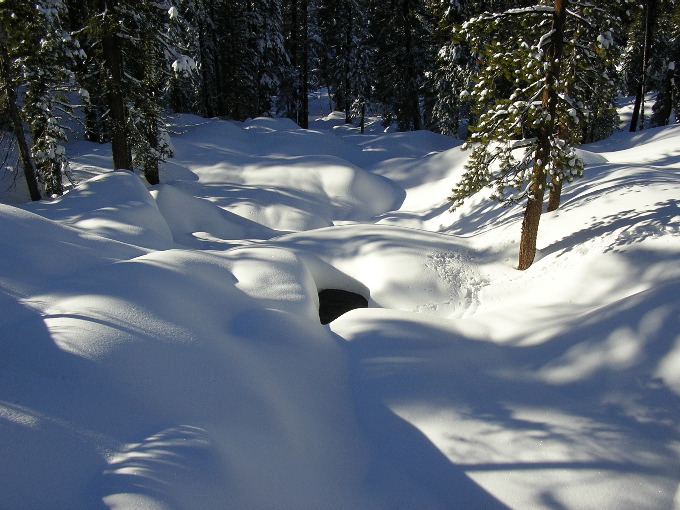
334,302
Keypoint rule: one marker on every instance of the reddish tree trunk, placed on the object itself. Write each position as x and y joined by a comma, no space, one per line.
532,213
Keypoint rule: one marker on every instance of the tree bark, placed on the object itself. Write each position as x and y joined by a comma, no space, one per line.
304,82
15,119
555,195
113,61
534,208
638,116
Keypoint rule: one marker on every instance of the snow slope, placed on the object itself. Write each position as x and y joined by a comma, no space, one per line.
160,347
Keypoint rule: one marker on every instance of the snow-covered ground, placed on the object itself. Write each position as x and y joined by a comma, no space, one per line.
161,348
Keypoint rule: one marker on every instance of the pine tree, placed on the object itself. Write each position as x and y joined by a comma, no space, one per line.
185,53
531,98
293,100
42,55
665,74
402,37
453,67
8,95
151,77
271,63
345,54
49,78
127,76
647,30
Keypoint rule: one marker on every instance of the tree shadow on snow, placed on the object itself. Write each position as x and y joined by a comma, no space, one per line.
621,416
633,226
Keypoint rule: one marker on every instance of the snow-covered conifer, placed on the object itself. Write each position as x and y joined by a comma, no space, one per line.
540,68
401,33
43,55
345,54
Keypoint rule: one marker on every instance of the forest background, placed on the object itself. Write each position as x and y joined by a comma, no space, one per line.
120,65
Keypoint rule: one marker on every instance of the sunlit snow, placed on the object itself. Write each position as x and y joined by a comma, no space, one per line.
161,347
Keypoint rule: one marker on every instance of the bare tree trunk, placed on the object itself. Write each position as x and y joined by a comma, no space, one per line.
304,85
555,195
532,213
413,98
639,107
15,118
532,217
362,124
113,60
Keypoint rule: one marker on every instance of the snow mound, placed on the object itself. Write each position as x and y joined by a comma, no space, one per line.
115,205
164,344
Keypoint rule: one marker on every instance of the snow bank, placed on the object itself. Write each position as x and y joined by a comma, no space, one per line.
163,343
115,205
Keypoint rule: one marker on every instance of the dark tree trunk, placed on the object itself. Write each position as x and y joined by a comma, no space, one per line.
532,213
206,99
151,172
363,118
348,52
15,118
304,75
113,60
638,117
635,119
412,96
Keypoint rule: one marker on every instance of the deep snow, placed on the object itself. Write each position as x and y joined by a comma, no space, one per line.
161,348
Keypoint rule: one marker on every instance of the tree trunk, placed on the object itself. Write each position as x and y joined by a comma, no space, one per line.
151,171
412,93
15,118
113,61
532,217
304,82
362,124
532,213
635,119
639,108
555,195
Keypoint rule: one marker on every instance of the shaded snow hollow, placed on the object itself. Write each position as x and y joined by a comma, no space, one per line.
161,348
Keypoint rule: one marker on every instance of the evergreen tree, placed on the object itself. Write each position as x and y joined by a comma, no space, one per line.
345,54
151,74
185,82
271,63
535,68
43,54
252,49
453,67
126,76
665,74
647,29
9,101
401,32
48,78
293,100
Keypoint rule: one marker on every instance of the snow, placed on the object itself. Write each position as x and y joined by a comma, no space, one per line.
161,347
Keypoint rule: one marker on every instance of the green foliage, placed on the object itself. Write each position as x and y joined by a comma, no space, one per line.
402,35
510,90
43,53
345,53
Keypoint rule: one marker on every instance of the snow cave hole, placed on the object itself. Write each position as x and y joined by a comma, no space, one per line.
335,302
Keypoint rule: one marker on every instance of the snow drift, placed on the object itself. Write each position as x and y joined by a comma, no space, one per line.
161,348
